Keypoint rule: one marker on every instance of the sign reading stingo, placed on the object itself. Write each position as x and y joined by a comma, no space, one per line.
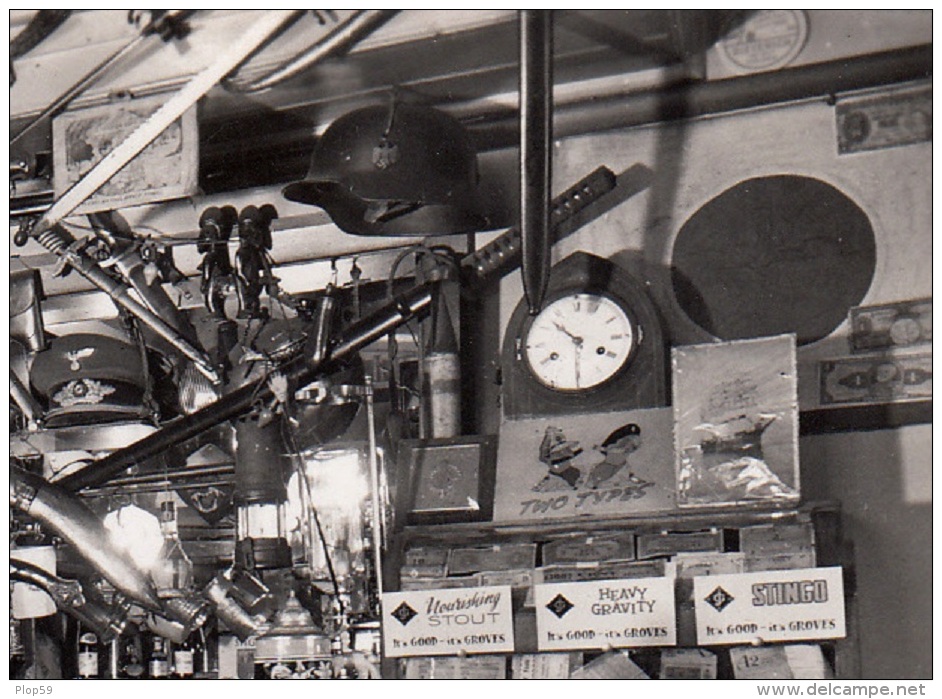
774,605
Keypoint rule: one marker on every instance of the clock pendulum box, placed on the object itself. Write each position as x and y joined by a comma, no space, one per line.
592,441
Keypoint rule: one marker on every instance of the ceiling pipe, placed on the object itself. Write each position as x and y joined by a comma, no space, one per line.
536,134
301,371
829,80
341,38
494,131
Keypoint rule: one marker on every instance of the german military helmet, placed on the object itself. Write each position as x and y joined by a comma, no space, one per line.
396,170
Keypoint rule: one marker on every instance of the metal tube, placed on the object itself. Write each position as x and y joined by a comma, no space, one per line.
536,133
66,515
168,477
339,39
24,399
72,598
708,97
154,487
374,490
406,307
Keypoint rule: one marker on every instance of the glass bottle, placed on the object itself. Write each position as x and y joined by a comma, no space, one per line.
206,660
130,656
88,656
184,657
159,665
173,571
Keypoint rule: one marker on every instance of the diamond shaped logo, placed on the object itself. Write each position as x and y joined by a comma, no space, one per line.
404,613
719,599
560,606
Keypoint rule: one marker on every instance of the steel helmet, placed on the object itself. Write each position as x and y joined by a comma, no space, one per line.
394,170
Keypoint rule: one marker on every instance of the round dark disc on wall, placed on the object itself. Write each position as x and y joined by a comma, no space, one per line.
774,255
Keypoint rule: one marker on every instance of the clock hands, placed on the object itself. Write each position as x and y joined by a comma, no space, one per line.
578,357
575,338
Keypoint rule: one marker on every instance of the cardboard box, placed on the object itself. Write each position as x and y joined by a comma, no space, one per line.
614,665
765,539
438,583
589,547
474,559
612,570
670,543
687,664
472,667
543,666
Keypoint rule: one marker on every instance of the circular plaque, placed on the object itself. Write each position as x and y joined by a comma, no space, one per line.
766,40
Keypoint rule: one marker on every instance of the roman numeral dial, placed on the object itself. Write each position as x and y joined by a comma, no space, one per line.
578,342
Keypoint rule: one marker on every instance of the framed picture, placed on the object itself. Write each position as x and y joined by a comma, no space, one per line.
607,464
736,422
447,480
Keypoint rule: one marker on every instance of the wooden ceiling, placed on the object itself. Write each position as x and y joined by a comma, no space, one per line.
465,62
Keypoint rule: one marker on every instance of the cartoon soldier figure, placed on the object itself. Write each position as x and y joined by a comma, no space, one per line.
616,448
557,453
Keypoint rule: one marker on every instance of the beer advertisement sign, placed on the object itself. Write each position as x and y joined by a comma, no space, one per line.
602,613
448,622
779,605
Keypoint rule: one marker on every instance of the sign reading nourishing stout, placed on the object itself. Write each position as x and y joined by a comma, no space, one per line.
779,605
603,613
448,622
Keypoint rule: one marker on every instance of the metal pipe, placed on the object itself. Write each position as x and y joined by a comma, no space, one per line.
339,39
169,477
154,487
76,600
709,97
414,303
377,519
536,133
66,515
24,399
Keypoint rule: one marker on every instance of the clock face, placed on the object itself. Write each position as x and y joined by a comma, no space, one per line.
578,342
